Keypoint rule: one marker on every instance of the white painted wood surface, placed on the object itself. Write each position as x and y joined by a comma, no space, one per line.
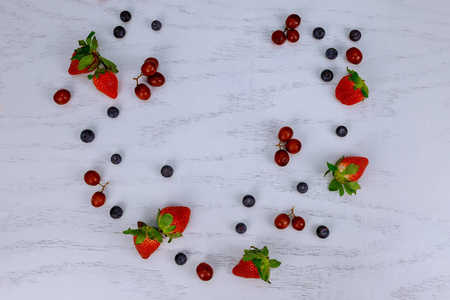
228,91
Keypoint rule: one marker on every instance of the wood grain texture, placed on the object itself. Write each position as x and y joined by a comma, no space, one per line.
228,91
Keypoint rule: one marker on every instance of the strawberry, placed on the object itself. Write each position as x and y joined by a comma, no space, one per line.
146,239
351,89
180,219
86,59
74,64
106,82
347,171
256,264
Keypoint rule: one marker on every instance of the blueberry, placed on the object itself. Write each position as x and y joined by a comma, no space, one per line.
125,16
180,259
119,32
113,112
248,200
326,75
355,35
302,187
241,228
156,25
116,212
116,159
341,131
322,232
331,53
87,136
318,33
167,171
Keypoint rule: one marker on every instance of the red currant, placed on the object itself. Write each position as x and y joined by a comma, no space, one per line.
285,134
204,271
92,178
354,55
281,158
98,199
293,21
298,223
293,146
282,221
153,60
278,37
61,97
142,91
149,68
292,35
156,80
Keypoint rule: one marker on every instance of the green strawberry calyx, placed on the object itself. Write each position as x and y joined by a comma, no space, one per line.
339,182
88,56
165,224
359,83
143,232
260,259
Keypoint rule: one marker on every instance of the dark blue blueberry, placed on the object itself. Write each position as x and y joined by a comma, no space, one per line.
180,259
167,171
326,75
355,35
241,228
302,187
116,212
248,200
116,159
318,33
87,136
331,53
119,32
125,16
322,232
156,25
341,131
113,112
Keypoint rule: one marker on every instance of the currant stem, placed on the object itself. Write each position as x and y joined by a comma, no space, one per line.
292,212
103,186
280,145
137,79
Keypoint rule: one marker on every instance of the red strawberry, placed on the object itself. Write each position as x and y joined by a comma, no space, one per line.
106,82
146,239
246,269
347,171
256,264
147,247
73,68
351,89
180,214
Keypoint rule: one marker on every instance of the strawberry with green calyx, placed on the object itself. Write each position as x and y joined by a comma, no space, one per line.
256,264
181,215
106,82
165,222
146,239
347,171
351,89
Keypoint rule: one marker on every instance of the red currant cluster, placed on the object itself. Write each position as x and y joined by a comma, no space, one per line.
93,178
148,68
292,35
282,221
291,145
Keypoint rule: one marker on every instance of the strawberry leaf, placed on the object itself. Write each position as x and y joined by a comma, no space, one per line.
341,190
90,77
165,220
94,45
365,91
140,238
354,185
265,251
350,170
81,43
348,189
332,167
273,263
109,64
85,62
334,185
157,234
88,39
249,256
169,229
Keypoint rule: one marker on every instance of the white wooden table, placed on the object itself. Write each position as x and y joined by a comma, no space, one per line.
228,91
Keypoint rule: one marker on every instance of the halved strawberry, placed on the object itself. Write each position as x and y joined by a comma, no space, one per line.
351,89
178,217
256,264
146,239
347,171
